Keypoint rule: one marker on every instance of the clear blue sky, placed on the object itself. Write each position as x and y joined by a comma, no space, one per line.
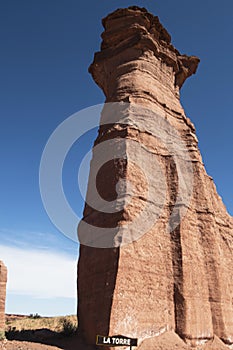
46,48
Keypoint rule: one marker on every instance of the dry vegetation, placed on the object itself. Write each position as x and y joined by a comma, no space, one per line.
35,322
34,327
34,332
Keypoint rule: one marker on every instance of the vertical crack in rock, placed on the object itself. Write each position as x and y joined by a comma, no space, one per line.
156,240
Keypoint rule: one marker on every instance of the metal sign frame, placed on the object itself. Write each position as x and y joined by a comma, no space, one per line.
117,340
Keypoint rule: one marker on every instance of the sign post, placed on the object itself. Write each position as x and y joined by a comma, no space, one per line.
117,340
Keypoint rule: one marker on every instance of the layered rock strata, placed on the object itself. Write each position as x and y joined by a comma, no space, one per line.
173,274
3,280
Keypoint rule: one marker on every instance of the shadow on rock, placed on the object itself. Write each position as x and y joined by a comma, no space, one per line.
47,337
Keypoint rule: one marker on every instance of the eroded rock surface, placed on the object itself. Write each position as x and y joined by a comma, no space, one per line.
3,280
176,277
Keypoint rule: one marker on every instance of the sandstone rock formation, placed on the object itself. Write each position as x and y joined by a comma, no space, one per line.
3,280
174,279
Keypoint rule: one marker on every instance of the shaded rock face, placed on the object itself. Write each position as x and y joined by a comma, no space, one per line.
175,279
3,280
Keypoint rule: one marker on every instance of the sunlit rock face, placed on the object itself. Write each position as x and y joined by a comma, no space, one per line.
158,264
3,280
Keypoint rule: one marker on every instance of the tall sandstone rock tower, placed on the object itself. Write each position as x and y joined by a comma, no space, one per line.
3,280
170,281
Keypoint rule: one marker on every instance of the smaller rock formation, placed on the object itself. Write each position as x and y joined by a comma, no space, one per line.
3,280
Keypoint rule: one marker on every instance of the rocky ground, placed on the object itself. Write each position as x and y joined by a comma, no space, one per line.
167,341
18,345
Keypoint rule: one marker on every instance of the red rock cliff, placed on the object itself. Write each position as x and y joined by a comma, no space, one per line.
177,276
3,280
